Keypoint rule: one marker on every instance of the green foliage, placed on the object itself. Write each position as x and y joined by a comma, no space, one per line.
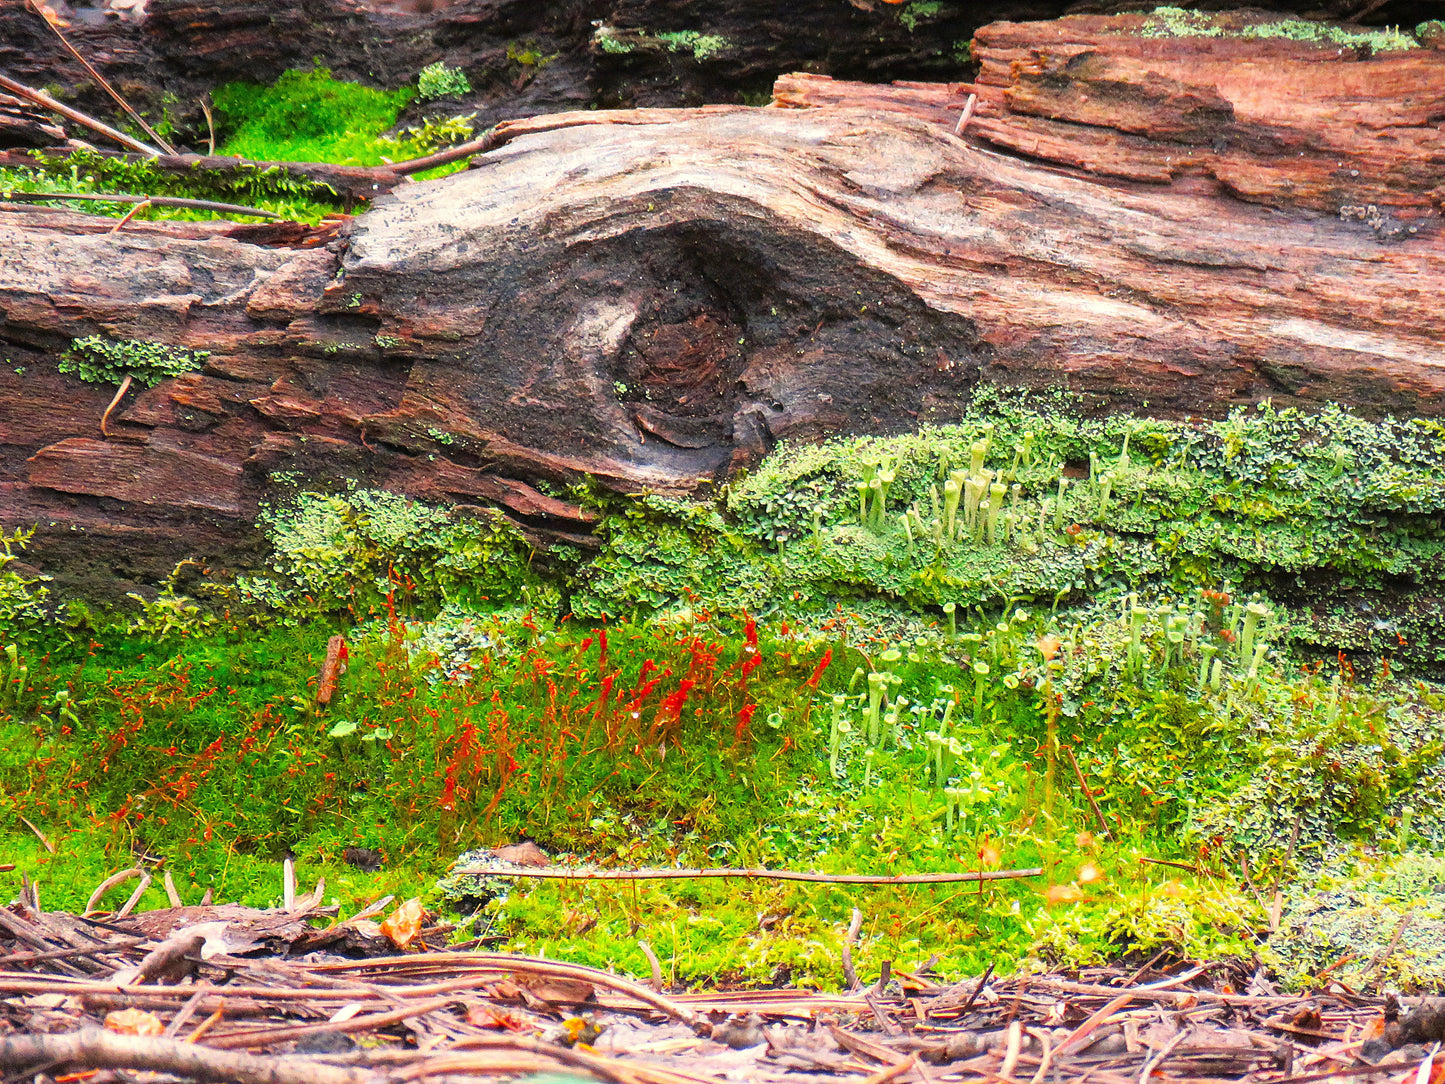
439,81
86,171
1173,22
22,602
918,11
698,45
1366,924
361,552
307,116
106,361
1264,497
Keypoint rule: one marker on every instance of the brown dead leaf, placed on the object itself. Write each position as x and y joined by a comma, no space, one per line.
134,1022
525,853
404,924
482,1015
558,991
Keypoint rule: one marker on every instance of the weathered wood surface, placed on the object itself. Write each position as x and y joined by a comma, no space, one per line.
655,297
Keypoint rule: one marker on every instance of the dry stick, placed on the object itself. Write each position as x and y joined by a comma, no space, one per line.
1088,793
171,894
1249,881
145,882
106,885
758,874
1276,907
850,976
506,962
1377,965
40,836
1166,862
97,1049
119,394
137,209
155,201
652,963
266,1036
188,1010
62,954
983,979
966,115
205,101
45,101
100,80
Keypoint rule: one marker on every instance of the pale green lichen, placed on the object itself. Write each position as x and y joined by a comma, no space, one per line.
1173,22
619,43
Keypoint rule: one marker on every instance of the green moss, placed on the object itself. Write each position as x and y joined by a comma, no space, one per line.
1172,22
918,11
307,116
698,45
105,361
439,81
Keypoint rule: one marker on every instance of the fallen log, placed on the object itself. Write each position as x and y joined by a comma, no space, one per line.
654,298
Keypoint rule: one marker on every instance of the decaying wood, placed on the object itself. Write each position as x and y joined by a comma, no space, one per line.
655,297
98,1049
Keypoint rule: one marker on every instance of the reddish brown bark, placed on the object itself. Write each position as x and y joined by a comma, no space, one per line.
654,297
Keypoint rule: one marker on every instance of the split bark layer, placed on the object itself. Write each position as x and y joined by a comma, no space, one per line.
656,297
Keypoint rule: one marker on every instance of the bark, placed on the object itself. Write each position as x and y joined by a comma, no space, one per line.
654,298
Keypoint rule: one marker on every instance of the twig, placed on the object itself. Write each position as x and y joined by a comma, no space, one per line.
45,101
129,905
67,953
1249,881
137,209
186,1011
1377,965
756,874
966,115
154,201
1276,907
172,895
266,1036
1011,1051
106,885
480,145
1084,786
520,965
210,123
101,81
38,835
288,884
119,395
1154,1061
850,975
96,1049
983,979
653,964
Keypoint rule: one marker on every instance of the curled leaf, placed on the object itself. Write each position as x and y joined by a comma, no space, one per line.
404,924
134,1022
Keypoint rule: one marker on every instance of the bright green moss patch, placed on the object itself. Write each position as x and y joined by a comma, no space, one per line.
307,116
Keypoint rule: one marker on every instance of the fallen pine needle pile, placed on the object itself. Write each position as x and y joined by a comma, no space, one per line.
228,993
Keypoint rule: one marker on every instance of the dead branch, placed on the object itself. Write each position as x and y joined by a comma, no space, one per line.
40,98
154,201
758,875
100,80
97,1049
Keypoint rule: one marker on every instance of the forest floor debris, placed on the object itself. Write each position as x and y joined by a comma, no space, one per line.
241,994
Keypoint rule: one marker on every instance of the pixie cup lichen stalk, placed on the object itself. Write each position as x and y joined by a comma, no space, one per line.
980,674
1137,616
1252,614
951,492
950,611
862,488
1059,506
876,682
996,494
835,733
1206,654
1106,487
